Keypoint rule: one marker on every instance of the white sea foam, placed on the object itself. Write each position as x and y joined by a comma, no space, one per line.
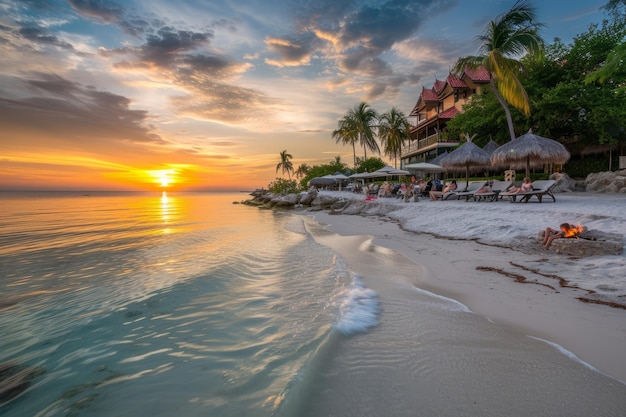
358,308
572,356
450,303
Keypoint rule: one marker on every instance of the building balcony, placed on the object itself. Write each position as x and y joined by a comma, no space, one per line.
415,145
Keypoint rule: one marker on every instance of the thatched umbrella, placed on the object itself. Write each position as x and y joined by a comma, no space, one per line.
490,147
438,158
467,156
322,181
530,149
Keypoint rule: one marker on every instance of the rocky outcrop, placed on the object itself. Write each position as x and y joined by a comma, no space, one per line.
308,198
267,199
564,183
606,182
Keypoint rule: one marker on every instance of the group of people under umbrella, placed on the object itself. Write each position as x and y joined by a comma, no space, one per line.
528,150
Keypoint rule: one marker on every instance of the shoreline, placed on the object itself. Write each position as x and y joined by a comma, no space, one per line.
489,280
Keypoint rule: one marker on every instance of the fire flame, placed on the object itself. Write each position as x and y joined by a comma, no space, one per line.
574,231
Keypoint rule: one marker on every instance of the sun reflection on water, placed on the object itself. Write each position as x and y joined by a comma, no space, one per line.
165,212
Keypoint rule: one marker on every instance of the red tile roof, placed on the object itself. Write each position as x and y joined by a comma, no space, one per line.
455,81
448,114
478,75
429,95
439,86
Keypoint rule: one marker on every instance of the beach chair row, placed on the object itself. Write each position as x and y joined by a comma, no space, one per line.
503,190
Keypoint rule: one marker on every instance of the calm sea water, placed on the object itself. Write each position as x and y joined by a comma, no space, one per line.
190,305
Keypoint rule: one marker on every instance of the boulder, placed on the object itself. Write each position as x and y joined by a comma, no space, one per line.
308,198
564,183
286,201
606,182
324,201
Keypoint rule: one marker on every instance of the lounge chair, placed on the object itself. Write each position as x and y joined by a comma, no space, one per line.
497,187
540,188
468,192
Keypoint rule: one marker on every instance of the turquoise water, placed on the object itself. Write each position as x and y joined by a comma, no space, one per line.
150,304
190,305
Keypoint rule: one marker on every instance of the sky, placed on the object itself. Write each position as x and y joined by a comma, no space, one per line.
203,95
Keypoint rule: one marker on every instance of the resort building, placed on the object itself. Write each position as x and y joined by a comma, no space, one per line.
434,108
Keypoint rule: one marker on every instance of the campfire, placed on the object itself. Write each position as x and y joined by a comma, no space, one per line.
580,241
576,231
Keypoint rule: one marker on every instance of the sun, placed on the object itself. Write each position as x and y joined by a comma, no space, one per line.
164,177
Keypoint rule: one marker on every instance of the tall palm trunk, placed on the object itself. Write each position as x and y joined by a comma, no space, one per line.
364,147
505,106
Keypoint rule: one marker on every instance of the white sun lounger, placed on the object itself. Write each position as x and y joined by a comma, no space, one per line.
540,189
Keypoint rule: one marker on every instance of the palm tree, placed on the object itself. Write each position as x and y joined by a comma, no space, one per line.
346,134
510,35
357,125
302,171
285,163
393,131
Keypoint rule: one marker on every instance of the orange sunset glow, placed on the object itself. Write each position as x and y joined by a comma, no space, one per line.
151,96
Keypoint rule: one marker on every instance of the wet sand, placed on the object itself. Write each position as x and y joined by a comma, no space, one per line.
484,279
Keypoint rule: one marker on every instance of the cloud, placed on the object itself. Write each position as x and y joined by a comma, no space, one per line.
68,113
291,52
109,12
361,33
172,54
40,36
165,49
224,103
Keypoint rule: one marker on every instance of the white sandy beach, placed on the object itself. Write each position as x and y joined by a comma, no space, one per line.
474,251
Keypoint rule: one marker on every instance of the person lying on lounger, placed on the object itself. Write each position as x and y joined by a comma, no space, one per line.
551,234
485,189
434,195
525,188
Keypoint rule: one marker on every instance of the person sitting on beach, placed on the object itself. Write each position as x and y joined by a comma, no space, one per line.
420,186
412,190
402,190
551,234
385,190
434,195
525,188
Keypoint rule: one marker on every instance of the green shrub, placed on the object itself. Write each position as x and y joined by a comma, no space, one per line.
283,186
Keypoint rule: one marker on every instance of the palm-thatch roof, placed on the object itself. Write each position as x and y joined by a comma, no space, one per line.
530,150
467,157
490,147
437,160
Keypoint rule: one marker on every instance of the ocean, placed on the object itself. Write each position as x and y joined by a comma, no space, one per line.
127,304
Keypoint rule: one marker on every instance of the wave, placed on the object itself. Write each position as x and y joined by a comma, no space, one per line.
358,308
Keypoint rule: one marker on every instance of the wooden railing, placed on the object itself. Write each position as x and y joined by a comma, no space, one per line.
416,145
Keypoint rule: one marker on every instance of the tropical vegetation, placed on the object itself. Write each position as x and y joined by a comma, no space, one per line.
573,93
358,126
512,34
285,163
572,99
